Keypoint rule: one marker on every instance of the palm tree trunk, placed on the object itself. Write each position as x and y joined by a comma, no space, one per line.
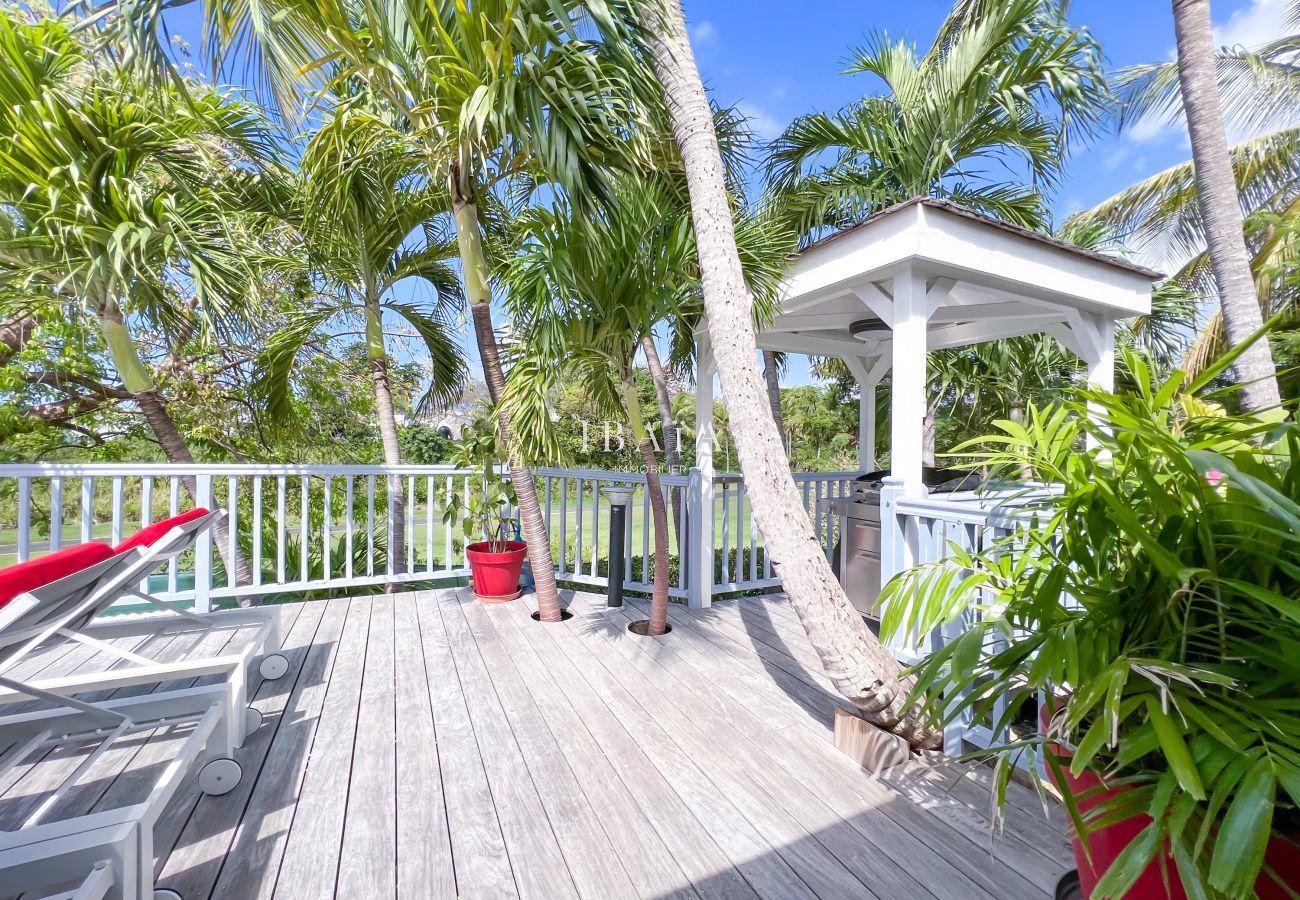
672,454
378,359
773,379
861,668
1216,195
658,512
477,291
153,406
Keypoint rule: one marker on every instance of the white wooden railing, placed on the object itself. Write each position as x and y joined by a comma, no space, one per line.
919,530
303,529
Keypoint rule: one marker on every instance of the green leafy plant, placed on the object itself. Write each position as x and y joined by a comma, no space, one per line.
487,510
1174,658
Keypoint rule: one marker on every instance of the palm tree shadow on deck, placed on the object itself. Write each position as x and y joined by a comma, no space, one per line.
794,679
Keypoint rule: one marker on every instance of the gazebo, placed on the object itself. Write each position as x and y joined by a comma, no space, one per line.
927,275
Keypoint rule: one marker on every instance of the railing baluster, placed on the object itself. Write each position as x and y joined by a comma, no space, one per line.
753,539
410,523
726,532
564,523
370,525
24,519
87,508
304,539
257,530
449,527
115,527
595,526
577,553
326,539
174,508
428,523
280,530
348,500
646,576
232,524
56,513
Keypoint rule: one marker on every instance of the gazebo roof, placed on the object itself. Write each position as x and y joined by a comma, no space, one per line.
985,280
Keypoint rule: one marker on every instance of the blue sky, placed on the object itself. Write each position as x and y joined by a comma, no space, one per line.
776,59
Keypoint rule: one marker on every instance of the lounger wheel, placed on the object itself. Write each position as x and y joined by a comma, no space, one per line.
220,776
166,894
273,666
252,720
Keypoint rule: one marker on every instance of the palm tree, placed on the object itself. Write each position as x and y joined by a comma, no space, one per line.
505,91
585,297
667,424
1216,191
121,196
860,667
982,118
369,220
1161,214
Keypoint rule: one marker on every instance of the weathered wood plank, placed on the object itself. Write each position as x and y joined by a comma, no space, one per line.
483,867
310,865
424,861
370,829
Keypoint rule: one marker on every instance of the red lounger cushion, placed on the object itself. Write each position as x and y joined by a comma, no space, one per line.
34,573
147,535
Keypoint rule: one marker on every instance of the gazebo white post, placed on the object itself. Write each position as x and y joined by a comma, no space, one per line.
911,313
699,553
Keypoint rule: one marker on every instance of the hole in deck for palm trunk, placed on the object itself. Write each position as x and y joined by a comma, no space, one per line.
642,628
565,616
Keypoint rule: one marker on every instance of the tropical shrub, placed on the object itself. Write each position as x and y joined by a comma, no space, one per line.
1175,657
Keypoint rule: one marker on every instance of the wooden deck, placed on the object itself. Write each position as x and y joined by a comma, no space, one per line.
426,746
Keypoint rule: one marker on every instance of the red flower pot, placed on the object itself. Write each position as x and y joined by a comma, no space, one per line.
1106,843
496,573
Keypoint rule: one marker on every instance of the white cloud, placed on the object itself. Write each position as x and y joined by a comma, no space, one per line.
1259,23
704,34
764,124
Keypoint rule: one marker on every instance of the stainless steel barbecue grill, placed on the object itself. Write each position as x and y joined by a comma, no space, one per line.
857,555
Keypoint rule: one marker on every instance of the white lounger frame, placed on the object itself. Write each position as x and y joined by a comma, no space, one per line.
68,609
112,851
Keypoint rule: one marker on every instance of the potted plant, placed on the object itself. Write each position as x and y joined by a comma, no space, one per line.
496,560
1154,598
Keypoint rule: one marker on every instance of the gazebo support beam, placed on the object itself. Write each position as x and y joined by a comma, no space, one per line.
868,372
1091,337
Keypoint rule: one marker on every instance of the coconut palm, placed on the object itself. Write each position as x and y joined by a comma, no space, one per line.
1216,192
121,198
773,363
982,118
1161,214
541,90
860,667
369,219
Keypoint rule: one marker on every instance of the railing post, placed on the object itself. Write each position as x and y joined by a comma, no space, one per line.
699,551
203,549
893,540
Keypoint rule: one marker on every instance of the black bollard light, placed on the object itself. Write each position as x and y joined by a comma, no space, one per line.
619,496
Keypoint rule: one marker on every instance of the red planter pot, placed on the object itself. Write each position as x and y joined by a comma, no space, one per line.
496,574
1106,844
